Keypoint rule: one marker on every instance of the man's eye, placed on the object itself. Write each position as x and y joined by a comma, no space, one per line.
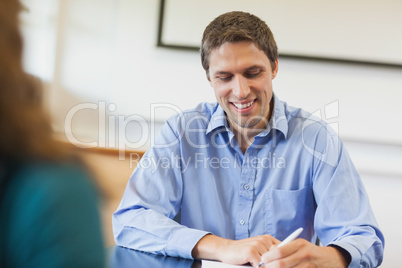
225,78
252,74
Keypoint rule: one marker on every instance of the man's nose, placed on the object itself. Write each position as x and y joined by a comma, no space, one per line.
241,88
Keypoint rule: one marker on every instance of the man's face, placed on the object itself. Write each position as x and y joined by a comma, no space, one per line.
241,75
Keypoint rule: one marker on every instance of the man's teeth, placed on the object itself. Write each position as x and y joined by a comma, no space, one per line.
243,106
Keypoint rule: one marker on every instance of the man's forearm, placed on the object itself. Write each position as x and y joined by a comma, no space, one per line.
208,247
241,251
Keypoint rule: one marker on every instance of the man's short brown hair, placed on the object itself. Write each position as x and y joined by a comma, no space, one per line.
237,26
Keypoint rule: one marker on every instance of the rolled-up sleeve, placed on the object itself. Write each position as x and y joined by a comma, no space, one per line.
144,218
344,216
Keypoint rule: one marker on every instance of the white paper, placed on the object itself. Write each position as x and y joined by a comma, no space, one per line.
216,264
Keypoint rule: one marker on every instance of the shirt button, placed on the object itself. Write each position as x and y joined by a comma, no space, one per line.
246,187
242,222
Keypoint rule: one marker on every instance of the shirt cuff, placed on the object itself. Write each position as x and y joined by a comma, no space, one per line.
182,242
354,253
345,254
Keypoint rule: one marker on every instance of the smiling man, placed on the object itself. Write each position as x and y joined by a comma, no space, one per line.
236,202
241,76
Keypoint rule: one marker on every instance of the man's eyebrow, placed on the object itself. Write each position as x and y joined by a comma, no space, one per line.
221,72
251,68
254,67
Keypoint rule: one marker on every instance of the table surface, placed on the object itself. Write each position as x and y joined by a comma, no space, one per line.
120,257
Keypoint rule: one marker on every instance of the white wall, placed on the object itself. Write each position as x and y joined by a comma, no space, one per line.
385,199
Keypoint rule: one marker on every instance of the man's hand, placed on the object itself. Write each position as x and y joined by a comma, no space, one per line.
301,253
243,251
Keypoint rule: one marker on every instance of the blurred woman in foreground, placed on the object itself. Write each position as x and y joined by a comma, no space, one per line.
48,210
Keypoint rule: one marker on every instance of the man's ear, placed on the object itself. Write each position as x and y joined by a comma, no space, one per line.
275,70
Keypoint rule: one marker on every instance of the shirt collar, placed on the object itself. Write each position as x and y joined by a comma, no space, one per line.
218,119
278,120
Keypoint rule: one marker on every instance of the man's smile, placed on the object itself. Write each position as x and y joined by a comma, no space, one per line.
243,107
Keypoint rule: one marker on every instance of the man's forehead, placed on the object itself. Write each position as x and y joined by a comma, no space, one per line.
240,55
245,69
242,42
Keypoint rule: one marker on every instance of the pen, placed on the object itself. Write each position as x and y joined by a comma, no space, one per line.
287,240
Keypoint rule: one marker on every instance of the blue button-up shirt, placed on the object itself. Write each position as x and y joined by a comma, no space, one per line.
295,174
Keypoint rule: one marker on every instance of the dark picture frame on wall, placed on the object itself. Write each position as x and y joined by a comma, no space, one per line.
328,32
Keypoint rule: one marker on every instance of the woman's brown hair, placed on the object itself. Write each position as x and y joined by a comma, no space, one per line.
25,128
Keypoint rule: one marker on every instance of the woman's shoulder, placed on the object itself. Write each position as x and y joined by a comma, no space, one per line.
51,205
52,177
45,187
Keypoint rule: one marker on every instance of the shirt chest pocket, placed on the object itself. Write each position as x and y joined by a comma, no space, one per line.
287,210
